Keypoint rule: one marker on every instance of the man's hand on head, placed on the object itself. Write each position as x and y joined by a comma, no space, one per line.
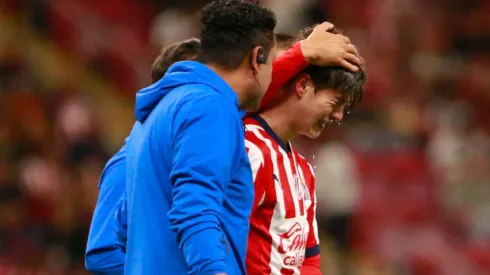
326,49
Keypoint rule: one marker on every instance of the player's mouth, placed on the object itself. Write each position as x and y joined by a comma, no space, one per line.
320,125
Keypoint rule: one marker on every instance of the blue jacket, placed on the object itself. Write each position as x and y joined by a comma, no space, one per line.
189,182
104,255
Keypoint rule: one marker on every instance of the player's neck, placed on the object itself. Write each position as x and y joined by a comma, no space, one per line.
234,79
280,120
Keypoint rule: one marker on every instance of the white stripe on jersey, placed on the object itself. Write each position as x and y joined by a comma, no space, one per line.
255,156
290,174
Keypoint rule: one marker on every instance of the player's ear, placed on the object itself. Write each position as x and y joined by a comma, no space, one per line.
302,84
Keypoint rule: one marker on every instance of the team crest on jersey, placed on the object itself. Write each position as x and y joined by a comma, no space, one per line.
301,189
298,186
306,193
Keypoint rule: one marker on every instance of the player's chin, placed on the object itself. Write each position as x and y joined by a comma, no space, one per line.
314,132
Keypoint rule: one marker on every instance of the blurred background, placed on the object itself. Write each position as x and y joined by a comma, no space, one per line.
403,183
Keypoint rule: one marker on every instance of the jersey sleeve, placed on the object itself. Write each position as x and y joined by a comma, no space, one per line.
285,67
311,266
312,243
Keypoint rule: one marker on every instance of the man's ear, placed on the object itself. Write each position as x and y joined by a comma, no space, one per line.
257,58
301,84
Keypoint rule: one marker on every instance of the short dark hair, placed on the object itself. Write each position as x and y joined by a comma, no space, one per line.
169,54
283,40
350,84
230,29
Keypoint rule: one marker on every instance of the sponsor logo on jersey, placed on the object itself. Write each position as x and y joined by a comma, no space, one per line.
293,244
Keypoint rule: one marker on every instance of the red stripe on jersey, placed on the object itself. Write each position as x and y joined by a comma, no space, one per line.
287,271
259,249
284,181
250,121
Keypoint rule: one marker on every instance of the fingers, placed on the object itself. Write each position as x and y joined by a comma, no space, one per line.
341,38
346,39
353,59
350,48
324,27
349,66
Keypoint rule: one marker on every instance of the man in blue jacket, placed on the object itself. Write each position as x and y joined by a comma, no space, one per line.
104,255
188,181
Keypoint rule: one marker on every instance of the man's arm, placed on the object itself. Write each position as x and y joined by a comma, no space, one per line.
121,223
285,67
102,255
321,49
203,148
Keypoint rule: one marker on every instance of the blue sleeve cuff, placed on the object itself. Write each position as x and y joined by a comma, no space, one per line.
214,268
205,251
108,261
312,251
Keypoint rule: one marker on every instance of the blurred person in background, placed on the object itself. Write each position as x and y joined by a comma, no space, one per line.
338,184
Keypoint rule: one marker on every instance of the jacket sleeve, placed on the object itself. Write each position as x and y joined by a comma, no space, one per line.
285,67
205,140
121,223
102,255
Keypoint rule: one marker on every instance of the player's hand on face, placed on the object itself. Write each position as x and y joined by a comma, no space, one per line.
326,49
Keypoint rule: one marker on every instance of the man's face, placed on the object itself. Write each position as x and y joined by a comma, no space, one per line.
319,108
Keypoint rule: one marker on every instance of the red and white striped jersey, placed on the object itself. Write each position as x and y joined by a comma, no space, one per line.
283,228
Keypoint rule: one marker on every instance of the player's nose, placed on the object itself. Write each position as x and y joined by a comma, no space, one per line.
337,114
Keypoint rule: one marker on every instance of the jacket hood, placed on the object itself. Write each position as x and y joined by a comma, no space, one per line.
179,74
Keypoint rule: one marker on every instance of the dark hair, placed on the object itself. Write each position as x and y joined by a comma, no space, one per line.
350,84
179,51
283,40
230,29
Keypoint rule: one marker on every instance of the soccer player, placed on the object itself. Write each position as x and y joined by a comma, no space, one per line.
103,255
283,233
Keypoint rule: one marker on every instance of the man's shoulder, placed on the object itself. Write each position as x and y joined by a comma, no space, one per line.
200,97
115,168
198,91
